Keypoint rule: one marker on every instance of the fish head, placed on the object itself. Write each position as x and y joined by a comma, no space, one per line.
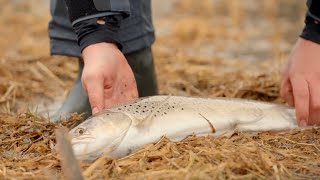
99,133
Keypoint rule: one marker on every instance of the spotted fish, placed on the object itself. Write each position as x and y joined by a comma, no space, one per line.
126,127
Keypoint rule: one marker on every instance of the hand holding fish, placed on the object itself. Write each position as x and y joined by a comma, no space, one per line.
107,77
301,82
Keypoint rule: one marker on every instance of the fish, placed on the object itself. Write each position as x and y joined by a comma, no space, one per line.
124,128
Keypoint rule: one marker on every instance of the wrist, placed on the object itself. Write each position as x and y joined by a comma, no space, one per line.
307,42
95,49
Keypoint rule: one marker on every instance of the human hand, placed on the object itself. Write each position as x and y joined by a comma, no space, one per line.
107,76
300,85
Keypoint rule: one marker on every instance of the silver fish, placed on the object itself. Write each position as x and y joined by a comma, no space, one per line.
125,128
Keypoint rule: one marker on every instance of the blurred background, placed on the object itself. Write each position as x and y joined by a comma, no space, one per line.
229,48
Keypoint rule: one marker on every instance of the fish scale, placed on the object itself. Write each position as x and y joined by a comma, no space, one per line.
126,127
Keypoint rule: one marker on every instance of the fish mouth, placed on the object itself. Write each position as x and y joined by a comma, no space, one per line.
83,139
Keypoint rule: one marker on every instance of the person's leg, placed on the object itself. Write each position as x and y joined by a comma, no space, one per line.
63,41
76,100
141,62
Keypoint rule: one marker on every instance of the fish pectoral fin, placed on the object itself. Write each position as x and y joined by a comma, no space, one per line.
209,123
145,122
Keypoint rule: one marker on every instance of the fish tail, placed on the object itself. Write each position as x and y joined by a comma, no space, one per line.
286,112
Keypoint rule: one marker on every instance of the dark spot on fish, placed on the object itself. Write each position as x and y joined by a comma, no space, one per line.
119,109
143,111
137,111
165,113
145,106
130,105
182,109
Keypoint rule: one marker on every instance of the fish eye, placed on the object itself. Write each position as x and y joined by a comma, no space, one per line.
80,131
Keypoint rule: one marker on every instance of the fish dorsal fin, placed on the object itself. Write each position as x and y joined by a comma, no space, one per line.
148,119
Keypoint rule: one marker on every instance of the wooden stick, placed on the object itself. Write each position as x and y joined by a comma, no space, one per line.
97,163
69,164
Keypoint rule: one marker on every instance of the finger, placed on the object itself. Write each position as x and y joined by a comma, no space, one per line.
94,88
314,117
301,99
286,91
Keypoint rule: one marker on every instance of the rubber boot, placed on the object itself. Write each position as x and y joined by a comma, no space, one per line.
76,101
141,63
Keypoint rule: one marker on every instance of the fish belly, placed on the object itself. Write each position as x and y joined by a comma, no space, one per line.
175,127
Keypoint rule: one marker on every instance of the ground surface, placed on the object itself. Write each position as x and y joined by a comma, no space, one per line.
209,48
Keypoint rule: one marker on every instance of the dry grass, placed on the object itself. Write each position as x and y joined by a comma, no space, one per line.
212,48
26,152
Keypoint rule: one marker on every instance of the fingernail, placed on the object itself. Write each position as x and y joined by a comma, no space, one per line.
302,123
95,110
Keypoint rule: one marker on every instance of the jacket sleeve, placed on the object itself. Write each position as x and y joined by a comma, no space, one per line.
311,30
86,17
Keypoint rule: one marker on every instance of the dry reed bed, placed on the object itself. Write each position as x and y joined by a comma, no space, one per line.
27,139
184,67
26,152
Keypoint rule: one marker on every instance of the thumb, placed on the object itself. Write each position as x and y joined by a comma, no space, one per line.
94,88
